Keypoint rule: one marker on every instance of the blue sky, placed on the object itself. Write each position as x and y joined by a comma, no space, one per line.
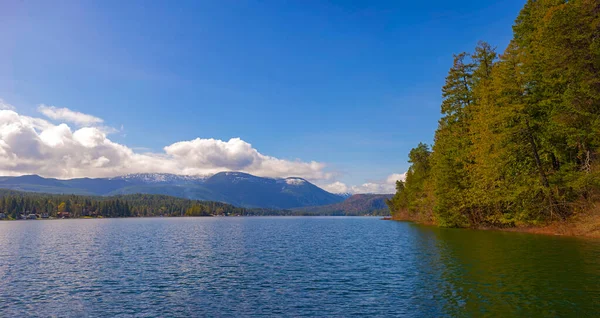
350,84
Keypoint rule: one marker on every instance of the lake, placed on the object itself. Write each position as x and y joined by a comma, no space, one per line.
289,266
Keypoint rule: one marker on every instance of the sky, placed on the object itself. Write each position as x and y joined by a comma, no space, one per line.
336,92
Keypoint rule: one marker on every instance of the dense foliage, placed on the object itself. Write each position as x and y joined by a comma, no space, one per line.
519,136
14,203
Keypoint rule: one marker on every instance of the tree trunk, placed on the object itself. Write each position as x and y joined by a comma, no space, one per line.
552,204
536,155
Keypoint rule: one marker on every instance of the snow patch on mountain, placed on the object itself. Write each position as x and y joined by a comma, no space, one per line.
295,181
345,195
237,177
160,178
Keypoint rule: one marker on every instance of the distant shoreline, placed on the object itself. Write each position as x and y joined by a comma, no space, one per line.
205,216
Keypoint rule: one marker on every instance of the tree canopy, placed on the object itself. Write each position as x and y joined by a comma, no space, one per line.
519,136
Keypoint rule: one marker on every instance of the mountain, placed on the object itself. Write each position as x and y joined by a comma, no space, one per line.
160,178
235,188
34,183
250,191
345,195
358,204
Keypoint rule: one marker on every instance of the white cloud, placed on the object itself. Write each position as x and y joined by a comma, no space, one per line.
336,187
214,155
391,179
385,186
30,145
372,187
35,146
70,116
4,105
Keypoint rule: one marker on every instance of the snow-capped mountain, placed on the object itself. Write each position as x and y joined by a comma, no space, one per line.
150,178
295,181
237,188
345,195
248,190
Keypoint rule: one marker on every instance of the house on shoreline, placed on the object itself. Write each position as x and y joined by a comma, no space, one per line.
63,215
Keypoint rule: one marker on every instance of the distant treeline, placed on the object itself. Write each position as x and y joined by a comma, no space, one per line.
15,204
519,138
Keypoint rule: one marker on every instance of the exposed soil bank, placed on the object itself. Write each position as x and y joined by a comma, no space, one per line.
581,225
587,225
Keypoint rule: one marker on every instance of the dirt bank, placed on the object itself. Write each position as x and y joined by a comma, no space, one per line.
587,225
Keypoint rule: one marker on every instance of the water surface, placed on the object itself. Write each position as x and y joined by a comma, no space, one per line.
289,266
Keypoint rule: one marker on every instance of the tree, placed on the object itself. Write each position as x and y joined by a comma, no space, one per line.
519,136
451,150
413,196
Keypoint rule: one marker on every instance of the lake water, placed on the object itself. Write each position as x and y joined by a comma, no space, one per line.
289,266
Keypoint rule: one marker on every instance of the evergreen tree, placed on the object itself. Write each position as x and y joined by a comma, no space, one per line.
451,150
520,134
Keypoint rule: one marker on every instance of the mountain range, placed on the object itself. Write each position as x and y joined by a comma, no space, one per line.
237,188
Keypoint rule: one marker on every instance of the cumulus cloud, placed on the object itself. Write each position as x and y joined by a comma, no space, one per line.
373,187
384,187
237,155
31,145
336,187
69,116
391,179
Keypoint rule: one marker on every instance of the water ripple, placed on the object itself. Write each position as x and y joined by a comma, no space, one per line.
289,267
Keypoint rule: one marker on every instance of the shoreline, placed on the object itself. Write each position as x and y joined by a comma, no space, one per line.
201,216
584,225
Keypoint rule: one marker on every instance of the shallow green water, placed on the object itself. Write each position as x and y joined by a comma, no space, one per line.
290,267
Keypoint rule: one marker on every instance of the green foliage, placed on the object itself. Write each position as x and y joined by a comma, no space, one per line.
197,210
519,136
413,196
15,203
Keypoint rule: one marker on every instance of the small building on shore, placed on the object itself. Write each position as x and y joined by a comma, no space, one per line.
63,215
31,216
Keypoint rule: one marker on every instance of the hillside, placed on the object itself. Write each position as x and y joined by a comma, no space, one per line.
250,191
237,188
14,204
358,204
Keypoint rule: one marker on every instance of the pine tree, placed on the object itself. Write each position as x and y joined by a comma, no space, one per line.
451,150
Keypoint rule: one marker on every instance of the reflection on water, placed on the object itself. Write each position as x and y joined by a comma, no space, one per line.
290,267
493,273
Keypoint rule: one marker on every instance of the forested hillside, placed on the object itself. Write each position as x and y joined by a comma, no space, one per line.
519,136
358,204
15,203
236,188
